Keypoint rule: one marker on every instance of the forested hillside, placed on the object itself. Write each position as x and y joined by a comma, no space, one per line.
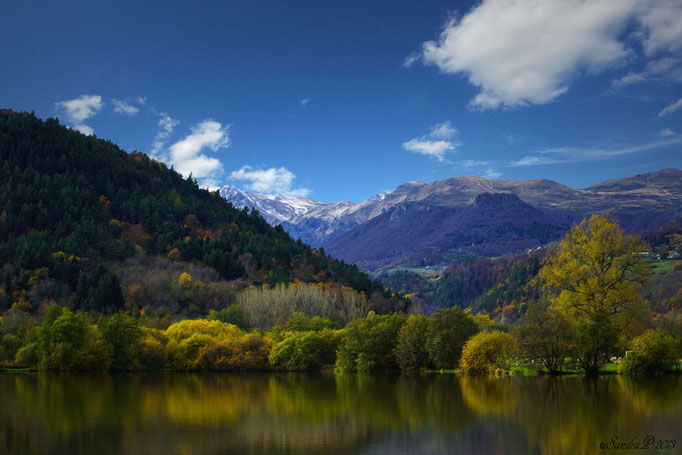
78,216
504,287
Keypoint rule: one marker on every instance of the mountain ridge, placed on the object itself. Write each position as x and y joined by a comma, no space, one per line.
657,193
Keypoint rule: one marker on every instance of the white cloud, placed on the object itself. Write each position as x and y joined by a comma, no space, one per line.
576,155
269,181
434,144
528,51
629,79
141,100
186,157
411,59
436,149
520,52
662,23
80,109
669,109
305,101
442,130
667,69
533,161
123,107
665,132
85,129
491,173
167,124
471,163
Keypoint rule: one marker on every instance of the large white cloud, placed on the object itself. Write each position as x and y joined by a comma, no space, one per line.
269,181
527,51
436,144
80,109
186,155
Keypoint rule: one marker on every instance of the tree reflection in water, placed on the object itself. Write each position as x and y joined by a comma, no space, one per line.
342,413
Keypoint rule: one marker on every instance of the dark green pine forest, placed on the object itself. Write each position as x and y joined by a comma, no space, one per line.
94,228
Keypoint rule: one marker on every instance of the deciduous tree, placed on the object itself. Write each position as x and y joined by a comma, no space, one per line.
595,278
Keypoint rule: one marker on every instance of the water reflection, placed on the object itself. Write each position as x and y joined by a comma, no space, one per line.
344,413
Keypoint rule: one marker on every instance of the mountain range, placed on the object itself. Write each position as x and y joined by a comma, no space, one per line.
426,223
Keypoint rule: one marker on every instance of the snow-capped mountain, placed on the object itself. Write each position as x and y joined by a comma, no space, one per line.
640,202
312,221
276,209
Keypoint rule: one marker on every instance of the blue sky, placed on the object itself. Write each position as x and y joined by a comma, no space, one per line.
341,100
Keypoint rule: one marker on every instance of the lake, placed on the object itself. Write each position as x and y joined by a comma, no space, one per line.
182,413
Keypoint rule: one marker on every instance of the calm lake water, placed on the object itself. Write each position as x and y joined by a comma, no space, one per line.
342,413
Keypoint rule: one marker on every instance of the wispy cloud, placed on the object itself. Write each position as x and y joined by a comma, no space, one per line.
664,69
491,173
411,59
576,155
669,109
166,125
80,109
305,101
665,132
434,144
534,161
186,155
269,181
124,107
471,163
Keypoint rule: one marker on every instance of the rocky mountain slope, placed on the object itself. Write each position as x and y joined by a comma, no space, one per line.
643,201
416,234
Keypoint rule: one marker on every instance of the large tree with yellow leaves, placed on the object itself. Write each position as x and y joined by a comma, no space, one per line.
595,277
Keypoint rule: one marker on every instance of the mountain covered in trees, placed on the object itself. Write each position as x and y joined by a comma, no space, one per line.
503,287
86,224
640,202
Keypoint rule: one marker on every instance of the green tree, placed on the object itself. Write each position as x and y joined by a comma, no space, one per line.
595,278
412,352
370,344
306,350
233,314
546,335
108,296
122,334
449,330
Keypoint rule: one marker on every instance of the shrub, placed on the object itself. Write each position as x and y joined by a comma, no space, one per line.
214,329
248,352
655,352
28,355
488,351
150,354
10,345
